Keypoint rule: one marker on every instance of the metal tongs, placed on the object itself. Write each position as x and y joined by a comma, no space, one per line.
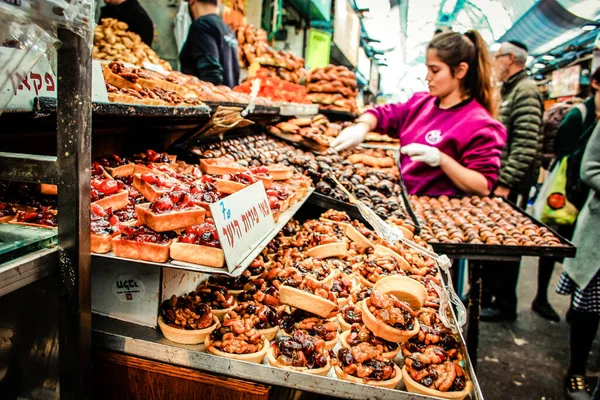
392,235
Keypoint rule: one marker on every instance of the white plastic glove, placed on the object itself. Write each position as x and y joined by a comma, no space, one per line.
351,136
423,153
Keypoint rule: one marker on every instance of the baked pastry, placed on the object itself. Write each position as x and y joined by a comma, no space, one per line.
263,318
349,315
374,267
217,297
199,244
153,185
446,380
364,363
312,325
301,353
358,334
117,166
105,191
404,289
7,212
389,318
39,218
342,288
142,243
220,166
185,319
237,339
310,296
171,211
104,226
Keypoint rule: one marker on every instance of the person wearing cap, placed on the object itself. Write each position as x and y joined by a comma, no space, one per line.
521,112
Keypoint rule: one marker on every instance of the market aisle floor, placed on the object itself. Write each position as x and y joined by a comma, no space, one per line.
527,358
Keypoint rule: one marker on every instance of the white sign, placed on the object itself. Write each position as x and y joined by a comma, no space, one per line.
242,219
128,288
41,81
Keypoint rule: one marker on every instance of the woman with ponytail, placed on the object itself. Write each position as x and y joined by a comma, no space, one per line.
451,143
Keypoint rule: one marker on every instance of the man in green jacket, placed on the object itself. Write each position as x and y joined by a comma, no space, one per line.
521,113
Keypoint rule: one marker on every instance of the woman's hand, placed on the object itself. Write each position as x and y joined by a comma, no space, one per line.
351,136
423,153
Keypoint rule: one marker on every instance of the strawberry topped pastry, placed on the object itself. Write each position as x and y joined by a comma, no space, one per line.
117,166
42,217
105,191
135,196
153,185
127,214
104,225
170,211
7,212
231,183
206,193
152,156
143,243
199,244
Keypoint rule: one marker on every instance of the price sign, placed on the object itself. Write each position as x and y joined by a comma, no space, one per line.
242,219
318,49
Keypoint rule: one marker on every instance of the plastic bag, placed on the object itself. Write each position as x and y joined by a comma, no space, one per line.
182,25
552,206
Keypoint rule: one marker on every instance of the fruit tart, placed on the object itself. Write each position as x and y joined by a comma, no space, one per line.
153,185
319,270
220,166
426,374
300,352
375,267
324,240
342,289
237,339
186,319
104,226
257,266
265,319
349,315
364,363
232,183
309,295
389,318
279,172
127,214
404,289
432,333
117,166
206,193
108,193
7,211
218,298
257,290
142,243
359,333
40,218
151,156
173,210
311,324
199,244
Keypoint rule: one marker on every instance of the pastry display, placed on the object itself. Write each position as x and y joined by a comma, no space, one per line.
7,211
300,352
274,88
478,220
333,88
186,319
113,41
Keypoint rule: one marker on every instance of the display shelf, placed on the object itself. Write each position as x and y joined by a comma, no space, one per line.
44,106
260,245
27,269
258,109
149,343
335,116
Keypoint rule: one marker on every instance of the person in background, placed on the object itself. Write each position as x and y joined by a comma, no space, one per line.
133,14
210,50
572,129
451,143
521,113
581,276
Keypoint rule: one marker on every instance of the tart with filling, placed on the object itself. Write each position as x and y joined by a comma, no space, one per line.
173,210
300,352
446,379
234,285
257,290
311,324
375,267
186,319
360,334
7,211
206,193
237,339
104,226
153,185
143,243
350,315
342,288
264,318
364,363
389,318
41,218
309,295
199,244
108,193
117,166
217,297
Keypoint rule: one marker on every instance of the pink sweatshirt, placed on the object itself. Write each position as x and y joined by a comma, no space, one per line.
467,133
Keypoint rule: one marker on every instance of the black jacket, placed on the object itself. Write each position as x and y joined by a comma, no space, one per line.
210,52
134,15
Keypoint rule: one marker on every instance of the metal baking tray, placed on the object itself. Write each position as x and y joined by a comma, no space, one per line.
467,249
326,202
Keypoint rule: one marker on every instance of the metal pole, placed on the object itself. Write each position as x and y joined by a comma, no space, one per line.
73,120
475,280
